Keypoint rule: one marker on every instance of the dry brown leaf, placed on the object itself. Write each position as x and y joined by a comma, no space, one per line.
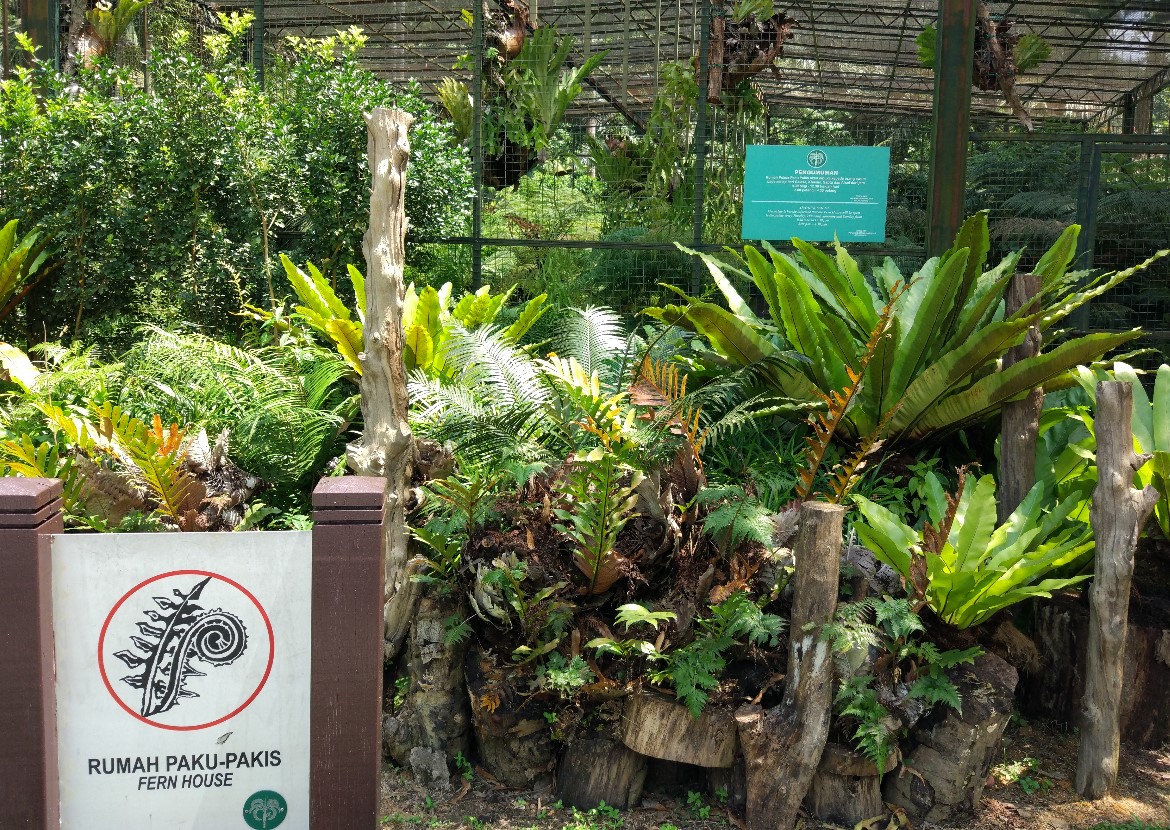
608,573
464,790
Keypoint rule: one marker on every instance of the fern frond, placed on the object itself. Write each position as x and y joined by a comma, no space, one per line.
28,460
594,335
484,358
156,455
282,406
825,424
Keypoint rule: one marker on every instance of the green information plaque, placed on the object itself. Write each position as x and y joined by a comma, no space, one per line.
816,193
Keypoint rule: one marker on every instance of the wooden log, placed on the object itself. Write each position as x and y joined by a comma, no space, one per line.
1019,420
950,753
511,734
434,712
385,446
662,728
1118,512
847,787
782,748
729,785
599,769
715,59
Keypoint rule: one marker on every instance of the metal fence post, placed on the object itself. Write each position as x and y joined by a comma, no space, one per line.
348,624
953,73
258,41
477,145
30,510
701,140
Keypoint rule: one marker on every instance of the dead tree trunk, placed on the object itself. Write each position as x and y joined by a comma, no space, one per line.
1118,513
783,746
1020,420
715,61
385,446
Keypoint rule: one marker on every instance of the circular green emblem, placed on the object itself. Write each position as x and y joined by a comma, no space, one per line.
817,158
264,810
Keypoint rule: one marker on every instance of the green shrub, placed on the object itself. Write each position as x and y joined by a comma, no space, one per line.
169,206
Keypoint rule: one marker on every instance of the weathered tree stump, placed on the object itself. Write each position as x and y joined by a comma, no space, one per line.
598,769
1019,420
1118,513
1056,689
949,754
782,748
512,737
847,787
662,728
385,446
434,712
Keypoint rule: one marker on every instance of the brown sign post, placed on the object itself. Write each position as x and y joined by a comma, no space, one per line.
347,635
30,510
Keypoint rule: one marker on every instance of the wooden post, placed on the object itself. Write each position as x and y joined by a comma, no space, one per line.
783,747
30,510
953,73
1118,513
715,61
385,448
1019,420
346,692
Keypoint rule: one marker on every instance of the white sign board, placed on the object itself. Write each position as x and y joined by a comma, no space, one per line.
183,680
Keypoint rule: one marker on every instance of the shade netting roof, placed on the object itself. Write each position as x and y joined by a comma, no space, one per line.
845,54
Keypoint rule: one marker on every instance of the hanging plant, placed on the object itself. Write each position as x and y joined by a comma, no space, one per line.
528,85
1001,56
746,39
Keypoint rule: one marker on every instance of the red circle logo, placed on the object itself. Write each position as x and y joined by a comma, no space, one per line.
186,650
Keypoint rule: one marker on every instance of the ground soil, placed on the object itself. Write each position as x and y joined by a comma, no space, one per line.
1045,801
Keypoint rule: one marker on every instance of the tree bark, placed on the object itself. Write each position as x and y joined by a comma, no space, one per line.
385,446
1054,691
600,770
662,728
77,22
1119,510
1019,420
715,61
847,787
434,713
948,753
783,746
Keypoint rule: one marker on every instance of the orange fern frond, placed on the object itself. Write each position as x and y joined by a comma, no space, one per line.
825,424
169,440
659,384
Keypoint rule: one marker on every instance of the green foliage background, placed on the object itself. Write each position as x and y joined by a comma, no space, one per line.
161,201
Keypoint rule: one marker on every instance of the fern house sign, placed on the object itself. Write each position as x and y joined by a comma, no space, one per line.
192,699
191,681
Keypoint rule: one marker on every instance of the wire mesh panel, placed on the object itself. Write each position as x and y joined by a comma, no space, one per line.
605,131
1132,222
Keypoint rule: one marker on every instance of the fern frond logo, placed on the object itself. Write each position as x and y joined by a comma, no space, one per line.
182,631
187,638
265,810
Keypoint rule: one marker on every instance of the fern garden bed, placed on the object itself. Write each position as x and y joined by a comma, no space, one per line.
605,516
